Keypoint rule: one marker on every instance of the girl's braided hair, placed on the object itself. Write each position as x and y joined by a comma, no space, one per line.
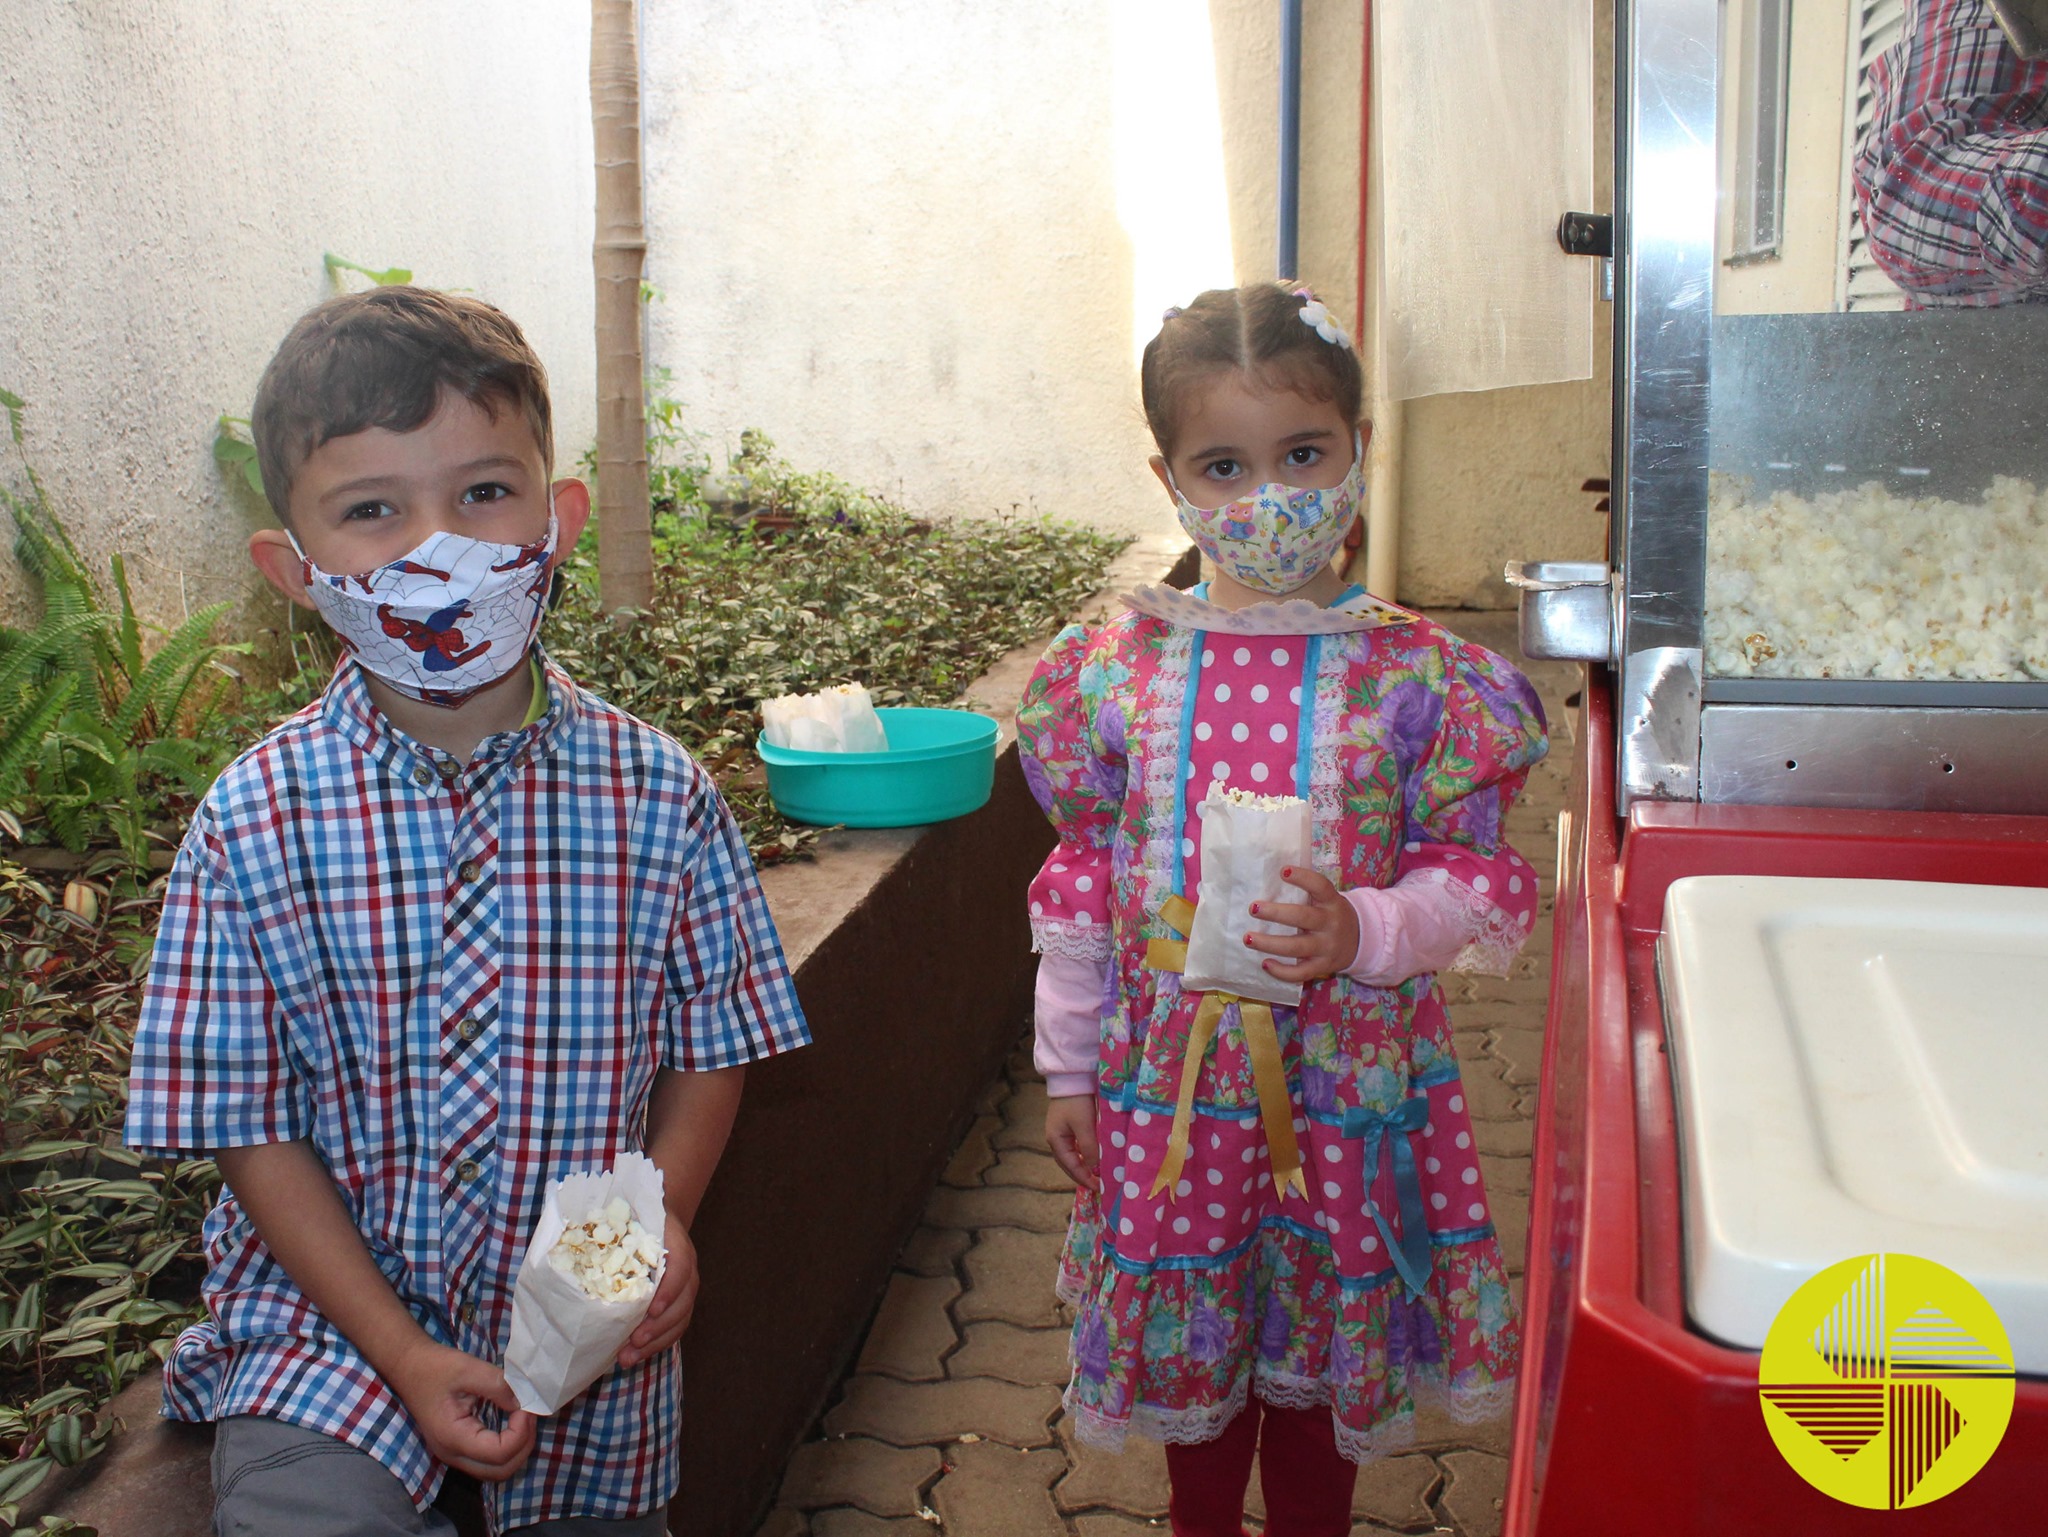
1257,329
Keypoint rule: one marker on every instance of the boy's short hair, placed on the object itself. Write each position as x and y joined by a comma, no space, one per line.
381,359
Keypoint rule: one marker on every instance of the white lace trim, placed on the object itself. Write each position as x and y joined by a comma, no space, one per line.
1160,852
1496,938
1292,616
1052,936
1392,1436
1068,1288
1327,790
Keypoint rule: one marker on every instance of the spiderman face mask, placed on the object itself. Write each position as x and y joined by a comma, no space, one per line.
444,620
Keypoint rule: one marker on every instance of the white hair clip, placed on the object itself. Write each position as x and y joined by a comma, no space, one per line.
1317,317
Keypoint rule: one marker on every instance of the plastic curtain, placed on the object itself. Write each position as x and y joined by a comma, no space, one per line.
1488,139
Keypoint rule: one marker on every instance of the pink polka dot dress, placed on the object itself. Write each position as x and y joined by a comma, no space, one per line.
1386,1285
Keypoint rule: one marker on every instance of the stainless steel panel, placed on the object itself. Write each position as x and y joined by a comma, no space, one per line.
1663,326
1875,758
1659,712
1912,694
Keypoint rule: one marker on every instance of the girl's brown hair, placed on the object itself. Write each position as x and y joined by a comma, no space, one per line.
1256,329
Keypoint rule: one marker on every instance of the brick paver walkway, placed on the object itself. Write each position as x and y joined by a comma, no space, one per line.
950,1421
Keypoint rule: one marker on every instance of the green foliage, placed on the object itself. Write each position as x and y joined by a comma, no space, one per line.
383,277
99,1256
101,743
236,450
790,582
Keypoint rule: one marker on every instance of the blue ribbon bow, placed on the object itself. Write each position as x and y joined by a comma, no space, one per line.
1411,1252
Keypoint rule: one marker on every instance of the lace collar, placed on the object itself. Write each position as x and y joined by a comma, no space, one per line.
1354,611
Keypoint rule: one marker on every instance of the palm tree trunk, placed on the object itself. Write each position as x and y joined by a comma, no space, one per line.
625,550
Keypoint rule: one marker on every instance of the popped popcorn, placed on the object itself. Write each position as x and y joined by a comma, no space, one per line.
1872,583
1218,789
609,1254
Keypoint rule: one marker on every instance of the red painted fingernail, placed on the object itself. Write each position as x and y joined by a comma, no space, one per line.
1255,909
1286,873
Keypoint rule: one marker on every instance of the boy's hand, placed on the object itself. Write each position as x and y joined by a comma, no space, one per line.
1328,941
444,1388
1070,1133
675,1299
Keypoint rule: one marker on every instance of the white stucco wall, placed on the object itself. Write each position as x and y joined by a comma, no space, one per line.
172,170
917,242
887,235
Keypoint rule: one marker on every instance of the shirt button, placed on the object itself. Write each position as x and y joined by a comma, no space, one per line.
470,1029
448,768
469,1313
422,776
468,1170
470,870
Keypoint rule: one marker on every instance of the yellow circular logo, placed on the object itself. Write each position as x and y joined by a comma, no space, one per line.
1887,1381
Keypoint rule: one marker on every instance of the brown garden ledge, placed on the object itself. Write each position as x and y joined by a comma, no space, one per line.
912,957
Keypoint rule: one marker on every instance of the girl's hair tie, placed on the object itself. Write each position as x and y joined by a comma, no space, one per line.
1317,317
1171,311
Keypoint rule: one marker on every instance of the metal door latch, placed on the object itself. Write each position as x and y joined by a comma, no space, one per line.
1586,234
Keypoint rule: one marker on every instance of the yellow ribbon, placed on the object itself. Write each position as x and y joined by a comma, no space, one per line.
1262,1042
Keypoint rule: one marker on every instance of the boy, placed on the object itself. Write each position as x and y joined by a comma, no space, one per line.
454,930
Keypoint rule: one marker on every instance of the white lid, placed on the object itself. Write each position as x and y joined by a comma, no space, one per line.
1860,1066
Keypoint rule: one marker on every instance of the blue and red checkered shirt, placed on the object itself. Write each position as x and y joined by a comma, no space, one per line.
457,982
1953,172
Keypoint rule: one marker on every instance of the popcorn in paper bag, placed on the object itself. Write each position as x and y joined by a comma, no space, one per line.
1247,840
837,719
587,1281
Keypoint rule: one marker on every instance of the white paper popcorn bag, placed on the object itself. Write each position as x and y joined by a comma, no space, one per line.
1247,840
837,719
587,1280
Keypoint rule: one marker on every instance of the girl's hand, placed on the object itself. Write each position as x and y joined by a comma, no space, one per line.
1328,941
675,1299
1070,1133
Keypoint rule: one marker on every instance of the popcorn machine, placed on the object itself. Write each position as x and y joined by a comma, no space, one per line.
1799,999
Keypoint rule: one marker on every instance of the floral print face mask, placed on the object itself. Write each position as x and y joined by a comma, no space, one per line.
1277,538
445,619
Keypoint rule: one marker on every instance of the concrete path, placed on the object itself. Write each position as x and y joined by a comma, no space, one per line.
950,1421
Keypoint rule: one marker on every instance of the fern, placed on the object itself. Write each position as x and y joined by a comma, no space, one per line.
26,735
90,739
154,695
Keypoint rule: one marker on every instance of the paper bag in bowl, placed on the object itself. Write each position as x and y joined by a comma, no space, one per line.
837,719
575,1302
1247,840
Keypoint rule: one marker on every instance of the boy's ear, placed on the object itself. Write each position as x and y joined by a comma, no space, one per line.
1158,464
572,511
282,566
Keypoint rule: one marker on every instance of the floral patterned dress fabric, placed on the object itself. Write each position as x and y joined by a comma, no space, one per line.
1409,746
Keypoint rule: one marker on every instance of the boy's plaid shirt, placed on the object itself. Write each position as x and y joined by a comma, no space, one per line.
458,985
1953,172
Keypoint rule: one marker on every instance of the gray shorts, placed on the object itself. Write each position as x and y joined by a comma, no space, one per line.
271,1479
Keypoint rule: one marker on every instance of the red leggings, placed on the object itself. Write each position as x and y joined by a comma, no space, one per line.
1307,1481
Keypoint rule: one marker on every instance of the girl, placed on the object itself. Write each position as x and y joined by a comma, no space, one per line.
1226,1298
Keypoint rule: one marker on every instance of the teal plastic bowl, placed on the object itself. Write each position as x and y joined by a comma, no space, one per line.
940,764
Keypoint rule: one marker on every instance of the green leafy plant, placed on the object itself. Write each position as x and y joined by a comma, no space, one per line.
235,450
104,743
805,580
383,277
99,1256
